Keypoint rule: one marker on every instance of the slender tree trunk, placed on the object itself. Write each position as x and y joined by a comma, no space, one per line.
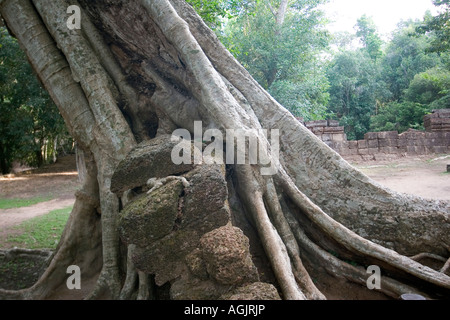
140,68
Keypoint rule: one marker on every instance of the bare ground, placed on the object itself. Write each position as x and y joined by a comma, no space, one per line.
424,176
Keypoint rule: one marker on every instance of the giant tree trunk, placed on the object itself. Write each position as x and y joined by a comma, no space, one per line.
142,68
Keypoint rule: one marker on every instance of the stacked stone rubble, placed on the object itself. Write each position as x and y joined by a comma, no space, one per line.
438,120
388,145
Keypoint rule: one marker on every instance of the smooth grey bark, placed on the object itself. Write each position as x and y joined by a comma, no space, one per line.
140,65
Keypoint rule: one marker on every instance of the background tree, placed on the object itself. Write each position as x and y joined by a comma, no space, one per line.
439,25
353,91
356,87
278,43
31,125
367,32
117,82
215,12
416,81
406,55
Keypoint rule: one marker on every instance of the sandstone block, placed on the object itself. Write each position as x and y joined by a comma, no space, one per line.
372,143
144,162
254,291
388,142
227,256
150,217
339,137
353,144
371,136
388,135
333,123
362,144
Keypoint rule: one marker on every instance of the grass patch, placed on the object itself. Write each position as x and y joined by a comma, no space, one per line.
41,232
19,203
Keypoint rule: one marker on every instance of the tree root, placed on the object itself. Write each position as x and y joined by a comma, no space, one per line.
354,242
271,241
337,268
446,266
279,220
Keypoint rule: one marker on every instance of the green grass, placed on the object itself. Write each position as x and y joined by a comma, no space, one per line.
41,232
19,203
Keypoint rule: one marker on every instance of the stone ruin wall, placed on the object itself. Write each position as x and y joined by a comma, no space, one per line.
388,145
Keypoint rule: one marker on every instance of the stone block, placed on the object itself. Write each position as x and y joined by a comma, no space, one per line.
388,142
353,144
388,135
402,141
317,130
371,135
442,113
362,144
144,162
333,129
372,143
373,150
150,217
320,123
411,150
412,134
333,123
339,137
232,266
432,135
326,137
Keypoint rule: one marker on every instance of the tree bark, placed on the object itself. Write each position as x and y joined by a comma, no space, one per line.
142,68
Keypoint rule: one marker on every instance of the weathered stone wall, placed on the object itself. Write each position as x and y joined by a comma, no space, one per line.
388,145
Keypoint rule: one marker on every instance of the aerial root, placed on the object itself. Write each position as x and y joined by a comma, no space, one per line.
426,255
273,245
130,280
338,268
446,266
301,274
145,287
356,243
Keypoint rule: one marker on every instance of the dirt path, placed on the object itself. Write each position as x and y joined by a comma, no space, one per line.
58,182
12,217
